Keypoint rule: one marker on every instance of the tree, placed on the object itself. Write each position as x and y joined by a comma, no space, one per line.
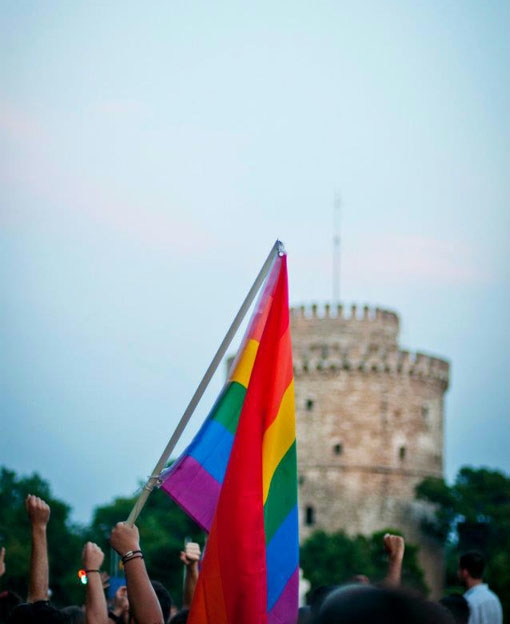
64,540
334,559
473,513
163,530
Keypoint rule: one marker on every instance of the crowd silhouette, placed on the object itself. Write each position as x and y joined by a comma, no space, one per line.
143,600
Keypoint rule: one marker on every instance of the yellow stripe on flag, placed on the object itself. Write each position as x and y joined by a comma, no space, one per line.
278,438
242,372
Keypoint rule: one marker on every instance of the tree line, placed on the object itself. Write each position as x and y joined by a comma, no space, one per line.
472,513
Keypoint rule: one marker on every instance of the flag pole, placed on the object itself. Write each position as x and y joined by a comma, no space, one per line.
153,480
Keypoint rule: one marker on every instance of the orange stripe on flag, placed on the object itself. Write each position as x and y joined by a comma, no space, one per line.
283,376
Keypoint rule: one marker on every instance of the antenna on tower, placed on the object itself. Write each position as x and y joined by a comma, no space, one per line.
336,249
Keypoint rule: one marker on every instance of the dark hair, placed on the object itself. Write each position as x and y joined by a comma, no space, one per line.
181,617
8,600
39,612
165,600
304,615
318,595
474,563
358,604
458,607
74,614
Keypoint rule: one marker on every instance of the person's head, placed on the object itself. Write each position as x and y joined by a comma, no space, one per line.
458,607
74,614
358,604
304,615
36,613
120,600
471,566
318,595
165,600
8,600
181,617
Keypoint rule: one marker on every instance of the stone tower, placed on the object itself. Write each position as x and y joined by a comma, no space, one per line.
369,420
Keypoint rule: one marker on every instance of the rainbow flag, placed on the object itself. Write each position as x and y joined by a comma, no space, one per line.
238,478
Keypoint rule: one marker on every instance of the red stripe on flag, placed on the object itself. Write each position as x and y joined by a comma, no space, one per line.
208,603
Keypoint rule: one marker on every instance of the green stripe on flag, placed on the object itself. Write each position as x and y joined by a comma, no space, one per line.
282,495
228,408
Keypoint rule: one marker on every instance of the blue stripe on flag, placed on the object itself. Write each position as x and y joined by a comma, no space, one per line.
282,557
212,449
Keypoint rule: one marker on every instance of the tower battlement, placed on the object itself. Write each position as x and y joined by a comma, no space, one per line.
333,359
357,338
340,312
353,327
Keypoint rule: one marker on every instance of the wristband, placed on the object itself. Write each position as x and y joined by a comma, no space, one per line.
129,553
89,571
134,556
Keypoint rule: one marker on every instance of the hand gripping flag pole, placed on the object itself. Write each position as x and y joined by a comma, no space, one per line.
153,480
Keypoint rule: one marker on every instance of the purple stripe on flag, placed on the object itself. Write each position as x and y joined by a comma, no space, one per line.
282,557
285,610
195,490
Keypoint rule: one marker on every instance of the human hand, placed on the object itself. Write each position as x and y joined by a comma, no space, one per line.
92,556
2,561
105,579
38,510
124,538
394,545
191,554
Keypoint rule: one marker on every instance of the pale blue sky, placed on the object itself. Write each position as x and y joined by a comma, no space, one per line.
151,153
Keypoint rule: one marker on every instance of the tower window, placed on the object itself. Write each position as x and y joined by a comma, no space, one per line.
402,452
309,405
425,412
309,516
337,449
